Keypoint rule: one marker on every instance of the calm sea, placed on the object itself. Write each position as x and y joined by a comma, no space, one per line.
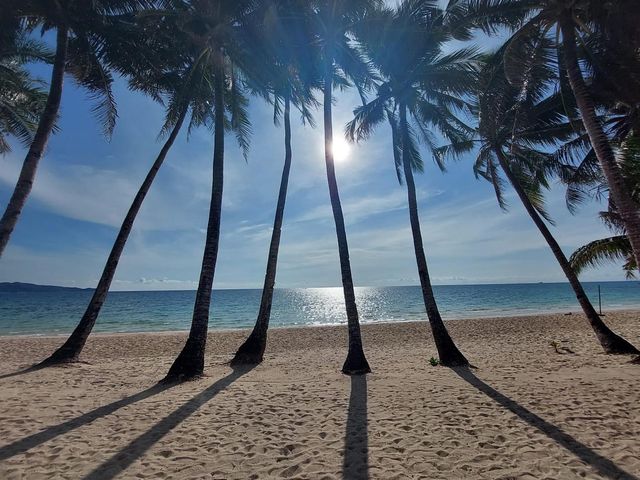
57,313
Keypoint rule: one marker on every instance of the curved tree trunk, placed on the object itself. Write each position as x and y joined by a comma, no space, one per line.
39,144
611,343
356,362
70,350
190,362
252,350
628,209
448,352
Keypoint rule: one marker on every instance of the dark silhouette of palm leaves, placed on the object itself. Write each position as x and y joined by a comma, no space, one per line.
616,248
22,98
404,46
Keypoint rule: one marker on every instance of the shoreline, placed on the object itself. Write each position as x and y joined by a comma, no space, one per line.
523,316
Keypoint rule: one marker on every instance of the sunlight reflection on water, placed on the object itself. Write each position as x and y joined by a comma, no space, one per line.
57,313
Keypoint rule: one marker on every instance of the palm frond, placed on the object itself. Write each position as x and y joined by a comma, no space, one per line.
238,110
606,250
365,119
89,72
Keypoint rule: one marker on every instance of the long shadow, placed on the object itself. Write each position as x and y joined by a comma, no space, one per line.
355,465
49,433
33,368
602,465
137,447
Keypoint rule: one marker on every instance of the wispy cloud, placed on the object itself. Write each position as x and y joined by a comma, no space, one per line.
85,186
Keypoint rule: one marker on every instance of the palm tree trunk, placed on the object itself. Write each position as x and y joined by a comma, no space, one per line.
611,343
628,209
252,350
39,144
71,349
356,362
448,352
190,362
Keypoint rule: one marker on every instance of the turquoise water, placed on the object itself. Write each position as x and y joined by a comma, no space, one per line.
57,313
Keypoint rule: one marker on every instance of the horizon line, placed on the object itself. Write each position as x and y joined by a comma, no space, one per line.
327,286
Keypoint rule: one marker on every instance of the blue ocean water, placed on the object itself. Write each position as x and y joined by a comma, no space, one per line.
46,313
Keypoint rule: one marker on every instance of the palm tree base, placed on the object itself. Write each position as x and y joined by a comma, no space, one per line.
180,377
188,366
60,357
635,361
455,363
616,345
453,358
251,352
448,352
356,363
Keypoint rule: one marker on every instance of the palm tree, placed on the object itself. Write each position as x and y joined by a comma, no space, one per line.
340,62
77,52
420,89
282,43
515,126
213,27
574,21
177,82
22,99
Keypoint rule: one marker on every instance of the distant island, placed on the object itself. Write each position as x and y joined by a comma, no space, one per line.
16,287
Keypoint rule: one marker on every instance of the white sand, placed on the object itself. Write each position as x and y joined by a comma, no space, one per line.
526,413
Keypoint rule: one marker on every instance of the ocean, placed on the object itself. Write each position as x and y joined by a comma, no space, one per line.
56,313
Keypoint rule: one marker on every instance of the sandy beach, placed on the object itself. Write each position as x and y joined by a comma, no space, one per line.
527,412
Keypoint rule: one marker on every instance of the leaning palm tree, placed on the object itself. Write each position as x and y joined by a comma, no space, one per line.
213,28
420,90
281,45
77,50
22,98
573,22
181,84
515,126
340,62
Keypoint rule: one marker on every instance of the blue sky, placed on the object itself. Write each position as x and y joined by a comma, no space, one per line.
85,185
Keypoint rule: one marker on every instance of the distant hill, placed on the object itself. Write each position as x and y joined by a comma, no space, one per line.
15,287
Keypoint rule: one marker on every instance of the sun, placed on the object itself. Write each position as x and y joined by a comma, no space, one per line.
341,149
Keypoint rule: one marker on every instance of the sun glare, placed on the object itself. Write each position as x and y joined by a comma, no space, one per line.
341,149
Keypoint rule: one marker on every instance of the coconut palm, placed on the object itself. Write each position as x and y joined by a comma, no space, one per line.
573,22
177,82
281,45
517,126
213,28
22,98
420,91
77,51
334,23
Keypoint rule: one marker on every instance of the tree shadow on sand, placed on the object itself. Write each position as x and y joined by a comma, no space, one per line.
602,465
137,447
355,465
49,433
32,368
